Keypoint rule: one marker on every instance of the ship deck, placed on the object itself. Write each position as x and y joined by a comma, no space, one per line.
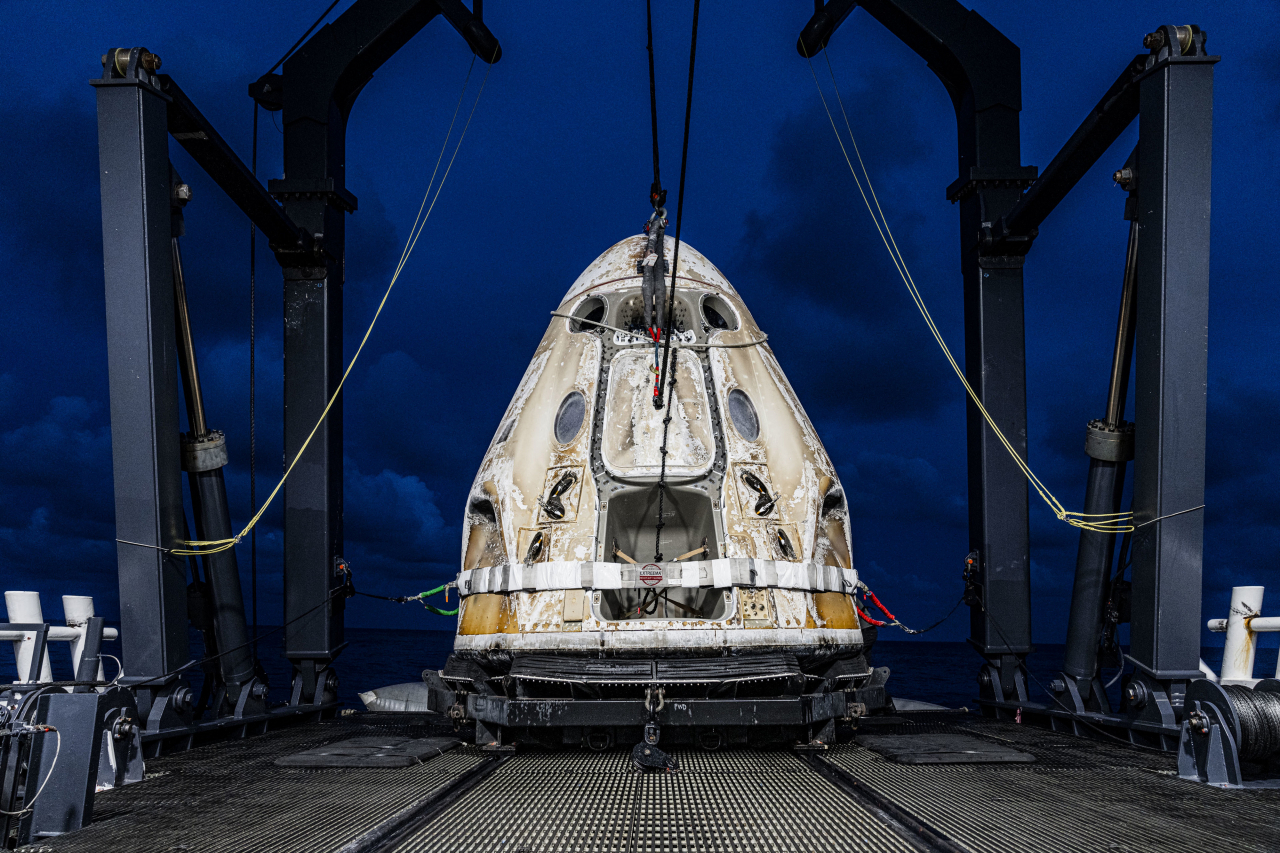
1061,794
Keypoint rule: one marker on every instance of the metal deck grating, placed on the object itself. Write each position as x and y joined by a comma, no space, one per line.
1079,797
231,798
724,801
1065,803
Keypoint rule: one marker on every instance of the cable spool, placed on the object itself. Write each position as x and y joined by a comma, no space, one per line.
1225,725
1258,713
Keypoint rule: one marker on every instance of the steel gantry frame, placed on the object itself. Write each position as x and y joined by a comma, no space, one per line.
149,346
1001,204
1164,311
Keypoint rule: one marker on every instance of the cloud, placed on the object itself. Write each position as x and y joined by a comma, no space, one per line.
813,267
394,528
56,530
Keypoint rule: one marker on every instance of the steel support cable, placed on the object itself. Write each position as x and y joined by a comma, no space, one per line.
664,375
420,222
340,591
656,195
1119,522
288,53
253,401
1259,716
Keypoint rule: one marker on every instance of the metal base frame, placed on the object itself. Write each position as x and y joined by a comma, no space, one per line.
1089,724
179,739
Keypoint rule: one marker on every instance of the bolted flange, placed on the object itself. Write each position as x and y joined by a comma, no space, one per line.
1103,443
205,453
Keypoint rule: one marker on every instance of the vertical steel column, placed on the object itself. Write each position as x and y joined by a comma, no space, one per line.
982,72
313,493
321,81
995,365
990,184
1175,148
138,269
314,196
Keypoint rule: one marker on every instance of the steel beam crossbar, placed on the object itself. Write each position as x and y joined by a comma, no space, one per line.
197,136
1104,124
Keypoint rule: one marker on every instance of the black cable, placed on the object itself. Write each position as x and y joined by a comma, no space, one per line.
656,195
950,613
290,51
684,163
1259,716
342,590
662,474
253,420
398,599
405,599
663,380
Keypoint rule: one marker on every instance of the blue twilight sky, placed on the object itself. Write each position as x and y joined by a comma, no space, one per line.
555,169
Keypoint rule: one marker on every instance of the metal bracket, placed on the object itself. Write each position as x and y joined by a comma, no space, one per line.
294,189
982,178
1208,750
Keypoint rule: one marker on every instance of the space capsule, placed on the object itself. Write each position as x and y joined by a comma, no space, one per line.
569,591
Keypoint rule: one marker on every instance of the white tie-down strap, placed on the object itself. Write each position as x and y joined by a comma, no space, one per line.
586,574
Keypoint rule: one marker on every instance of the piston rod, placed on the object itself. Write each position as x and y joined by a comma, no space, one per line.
1109,444
203,455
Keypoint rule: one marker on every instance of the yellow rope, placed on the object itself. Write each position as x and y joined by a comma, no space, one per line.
1120,522
214,546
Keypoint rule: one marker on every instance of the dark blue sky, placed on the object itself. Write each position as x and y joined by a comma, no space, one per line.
555,169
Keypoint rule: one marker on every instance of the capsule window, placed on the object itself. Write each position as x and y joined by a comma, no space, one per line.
573,410
717,314
588,314
743,414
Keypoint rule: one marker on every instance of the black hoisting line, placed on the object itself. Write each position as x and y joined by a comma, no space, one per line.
653,267
253,400
667,385
657,195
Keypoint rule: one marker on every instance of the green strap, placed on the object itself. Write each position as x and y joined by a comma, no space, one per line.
424,596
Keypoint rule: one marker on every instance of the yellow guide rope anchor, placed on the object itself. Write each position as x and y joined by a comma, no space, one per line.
1119,522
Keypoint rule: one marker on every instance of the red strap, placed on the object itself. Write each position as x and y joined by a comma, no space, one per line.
867,618
883,609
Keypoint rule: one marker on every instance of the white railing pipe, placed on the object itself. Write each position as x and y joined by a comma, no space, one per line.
1242,643
78,610
24,608
1263,624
